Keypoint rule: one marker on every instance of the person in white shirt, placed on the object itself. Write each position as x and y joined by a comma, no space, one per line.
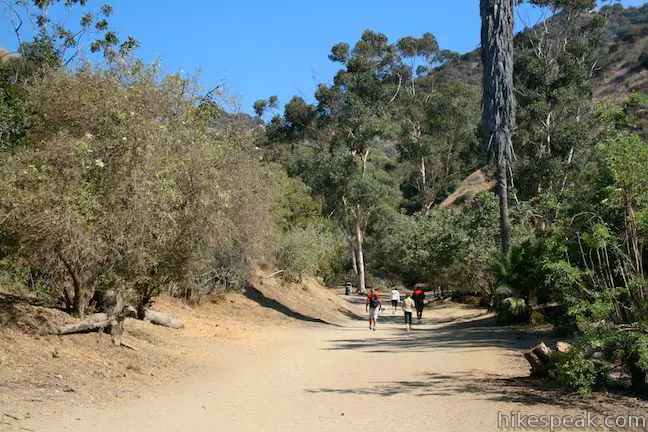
408,307
395,298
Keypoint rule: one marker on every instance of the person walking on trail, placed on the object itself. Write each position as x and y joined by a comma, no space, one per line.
408,308
395,298
373,306
419,301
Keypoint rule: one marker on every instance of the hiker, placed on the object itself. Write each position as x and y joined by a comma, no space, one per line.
373,306
395,298
419,301
408,308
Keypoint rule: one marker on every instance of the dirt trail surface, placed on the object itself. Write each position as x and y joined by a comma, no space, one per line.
444,376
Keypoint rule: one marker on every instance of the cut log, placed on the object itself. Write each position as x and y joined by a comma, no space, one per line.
539,358
538,367
165,319
563,347
543,352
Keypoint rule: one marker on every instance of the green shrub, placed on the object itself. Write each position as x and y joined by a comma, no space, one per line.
575,372
313,250
538,318
631,349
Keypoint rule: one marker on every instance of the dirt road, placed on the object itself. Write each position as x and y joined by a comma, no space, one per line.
443,377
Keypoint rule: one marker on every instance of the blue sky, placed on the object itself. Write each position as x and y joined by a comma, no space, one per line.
259,47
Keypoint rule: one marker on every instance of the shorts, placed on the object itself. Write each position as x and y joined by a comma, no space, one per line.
394,303
408,318
373,312
419,307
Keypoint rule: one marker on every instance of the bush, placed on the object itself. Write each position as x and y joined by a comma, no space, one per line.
631,348
313,250
121,183
538,318
445,247
575,372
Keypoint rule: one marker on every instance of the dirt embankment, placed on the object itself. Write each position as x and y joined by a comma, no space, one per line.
44,373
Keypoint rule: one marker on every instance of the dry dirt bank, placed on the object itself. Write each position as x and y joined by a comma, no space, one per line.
43,374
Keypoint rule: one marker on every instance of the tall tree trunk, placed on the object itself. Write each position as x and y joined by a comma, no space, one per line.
423,177
354,258
350,238
498,112
360,260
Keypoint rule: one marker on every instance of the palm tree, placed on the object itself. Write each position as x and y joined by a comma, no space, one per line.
512,285
498,112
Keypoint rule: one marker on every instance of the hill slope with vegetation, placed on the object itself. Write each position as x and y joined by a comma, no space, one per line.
620,59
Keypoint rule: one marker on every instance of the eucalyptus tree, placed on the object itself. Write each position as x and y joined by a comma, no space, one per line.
335,144
60,41
438,123
554,71
357,111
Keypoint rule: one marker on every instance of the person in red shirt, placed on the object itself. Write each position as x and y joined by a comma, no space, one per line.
373,305
419,302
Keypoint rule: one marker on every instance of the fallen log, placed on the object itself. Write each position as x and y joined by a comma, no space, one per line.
100,322
165,319
273,274
92,323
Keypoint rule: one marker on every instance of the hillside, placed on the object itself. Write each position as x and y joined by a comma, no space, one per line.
4,54
622,58
623,63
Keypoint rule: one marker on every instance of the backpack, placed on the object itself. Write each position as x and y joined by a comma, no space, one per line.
374,302
418,296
